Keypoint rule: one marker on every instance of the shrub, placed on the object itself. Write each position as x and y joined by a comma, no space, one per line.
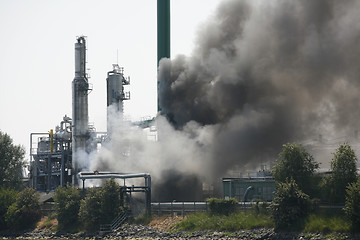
67,201
290,206
90,210
25,211
101,206
7,197
110,202
352,204
222,206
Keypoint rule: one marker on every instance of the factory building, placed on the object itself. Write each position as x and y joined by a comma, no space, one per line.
249,189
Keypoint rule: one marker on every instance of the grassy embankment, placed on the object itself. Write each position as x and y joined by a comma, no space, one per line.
319,222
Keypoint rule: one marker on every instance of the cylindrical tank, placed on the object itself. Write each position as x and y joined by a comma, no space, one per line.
115,89
115,82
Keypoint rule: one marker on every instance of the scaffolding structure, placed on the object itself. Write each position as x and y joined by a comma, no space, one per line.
51,157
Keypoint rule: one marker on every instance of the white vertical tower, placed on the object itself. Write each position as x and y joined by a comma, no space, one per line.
80,116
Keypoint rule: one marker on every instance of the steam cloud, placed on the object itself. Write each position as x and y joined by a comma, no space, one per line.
263,73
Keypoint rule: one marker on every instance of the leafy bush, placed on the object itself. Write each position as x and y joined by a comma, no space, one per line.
7,197
352,204
67,201
90,210
290,206
100,206
110,202
25,211
222,206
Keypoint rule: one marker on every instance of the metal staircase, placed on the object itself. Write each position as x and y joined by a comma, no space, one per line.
116,223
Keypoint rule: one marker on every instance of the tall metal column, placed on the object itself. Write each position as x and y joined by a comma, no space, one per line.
80,87
163,35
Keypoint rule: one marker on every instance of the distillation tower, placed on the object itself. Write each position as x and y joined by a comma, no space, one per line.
80,116
115,83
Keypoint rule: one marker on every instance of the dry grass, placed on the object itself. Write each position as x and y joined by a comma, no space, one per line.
164,223
47,222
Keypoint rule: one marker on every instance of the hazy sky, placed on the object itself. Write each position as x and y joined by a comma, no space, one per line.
37,56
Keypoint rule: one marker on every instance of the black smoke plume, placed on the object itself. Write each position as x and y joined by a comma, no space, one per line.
264,73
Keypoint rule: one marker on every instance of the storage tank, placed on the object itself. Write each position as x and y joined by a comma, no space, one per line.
115,83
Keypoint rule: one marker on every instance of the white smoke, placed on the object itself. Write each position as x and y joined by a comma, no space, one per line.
129,149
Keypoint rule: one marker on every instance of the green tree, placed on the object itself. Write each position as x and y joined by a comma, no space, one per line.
7,197
111,202
11,162
290,206
100,206
90,210
344,172
296,163
25,211
222,206
352,204
67,201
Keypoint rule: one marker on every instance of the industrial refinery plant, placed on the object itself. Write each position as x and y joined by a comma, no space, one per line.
58,156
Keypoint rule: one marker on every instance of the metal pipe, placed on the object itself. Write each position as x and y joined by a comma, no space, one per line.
122,176
247,192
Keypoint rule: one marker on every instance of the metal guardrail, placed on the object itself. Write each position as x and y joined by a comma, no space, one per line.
183,208
175,208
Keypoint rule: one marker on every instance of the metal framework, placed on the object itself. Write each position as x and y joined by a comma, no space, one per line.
128,189
50,157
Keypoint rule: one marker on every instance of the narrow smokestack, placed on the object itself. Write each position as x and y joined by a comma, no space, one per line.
80,87
163,37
